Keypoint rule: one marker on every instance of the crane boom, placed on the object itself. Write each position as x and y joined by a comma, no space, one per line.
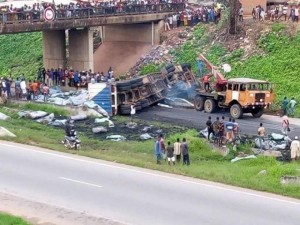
220,79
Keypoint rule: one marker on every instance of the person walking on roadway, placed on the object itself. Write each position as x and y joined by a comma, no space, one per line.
285,125
261,134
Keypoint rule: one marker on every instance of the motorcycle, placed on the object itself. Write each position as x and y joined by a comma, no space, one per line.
72,141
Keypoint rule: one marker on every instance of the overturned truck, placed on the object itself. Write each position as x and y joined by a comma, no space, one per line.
144,91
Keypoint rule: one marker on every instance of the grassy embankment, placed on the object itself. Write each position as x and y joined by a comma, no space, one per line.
6,219
21,53
205,163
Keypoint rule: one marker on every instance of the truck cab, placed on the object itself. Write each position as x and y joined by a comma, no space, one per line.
245,95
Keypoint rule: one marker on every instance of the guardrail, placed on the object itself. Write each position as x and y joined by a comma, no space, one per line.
50,14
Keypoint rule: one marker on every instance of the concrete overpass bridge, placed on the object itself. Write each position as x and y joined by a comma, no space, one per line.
72,28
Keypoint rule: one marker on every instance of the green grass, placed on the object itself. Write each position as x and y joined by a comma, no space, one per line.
6,219
205,163
21,53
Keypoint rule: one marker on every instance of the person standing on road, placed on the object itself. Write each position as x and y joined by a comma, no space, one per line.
170,154
132,111
209,128
45,92
185,152
292,107
177,150
221,131
285,125
216,129
241,14
295,149
284,105
236,129
261,134
229,131
158,150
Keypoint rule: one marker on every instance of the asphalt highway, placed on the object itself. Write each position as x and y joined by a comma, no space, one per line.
197,120
134,196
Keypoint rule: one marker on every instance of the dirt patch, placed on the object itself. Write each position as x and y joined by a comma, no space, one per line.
131,132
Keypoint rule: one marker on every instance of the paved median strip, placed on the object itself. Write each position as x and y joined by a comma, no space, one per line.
81,182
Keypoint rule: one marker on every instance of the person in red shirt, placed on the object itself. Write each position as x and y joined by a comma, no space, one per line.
206,82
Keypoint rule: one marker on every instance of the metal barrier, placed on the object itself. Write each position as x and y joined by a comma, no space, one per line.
49,14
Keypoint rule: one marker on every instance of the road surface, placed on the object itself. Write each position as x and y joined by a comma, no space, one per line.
197,120
131,195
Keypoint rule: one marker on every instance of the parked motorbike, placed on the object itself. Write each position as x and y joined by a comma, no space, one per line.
72,141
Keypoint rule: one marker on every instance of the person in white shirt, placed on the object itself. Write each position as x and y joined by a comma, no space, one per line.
132,111
297,14
284,11
295,149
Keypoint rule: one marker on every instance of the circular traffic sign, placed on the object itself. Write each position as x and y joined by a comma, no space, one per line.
49,14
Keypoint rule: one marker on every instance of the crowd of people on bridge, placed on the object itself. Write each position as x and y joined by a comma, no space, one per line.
192,16
77,9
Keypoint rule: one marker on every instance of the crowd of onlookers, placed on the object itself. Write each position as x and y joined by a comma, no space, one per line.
82,9
21,88
274,13
192,16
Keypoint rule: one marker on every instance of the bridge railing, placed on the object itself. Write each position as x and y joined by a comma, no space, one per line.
89,12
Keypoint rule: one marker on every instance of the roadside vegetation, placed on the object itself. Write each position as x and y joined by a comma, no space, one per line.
206,163
21,54
6,219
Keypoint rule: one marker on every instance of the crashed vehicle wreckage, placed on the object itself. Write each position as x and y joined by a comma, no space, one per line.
149,89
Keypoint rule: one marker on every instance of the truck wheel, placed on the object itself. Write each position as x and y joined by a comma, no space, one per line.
210,105
199,103
236,111
257,112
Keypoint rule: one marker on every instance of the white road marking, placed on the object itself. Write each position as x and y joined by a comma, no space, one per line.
81,182
200,182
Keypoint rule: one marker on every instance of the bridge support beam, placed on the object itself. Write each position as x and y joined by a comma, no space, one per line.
81,49
54,49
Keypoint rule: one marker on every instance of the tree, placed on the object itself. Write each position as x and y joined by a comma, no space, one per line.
234,7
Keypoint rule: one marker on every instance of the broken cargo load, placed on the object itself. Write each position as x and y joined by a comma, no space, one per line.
144,91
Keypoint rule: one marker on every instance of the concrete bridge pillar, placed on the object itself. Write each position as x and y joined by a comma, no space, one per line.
54,49
81,49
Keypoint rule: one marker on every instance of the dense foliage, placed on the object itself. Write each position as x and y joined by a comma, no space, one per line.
21,53
280,64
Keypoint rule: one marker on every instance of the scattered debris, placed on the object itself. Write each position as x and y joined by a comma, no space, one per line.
145,136
46,119
101,120
131,125
263,172
116,138
179,102
99,130
146,129
240,158
165,106
272,153
79,117
3,116
6,133
58,123
290,180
